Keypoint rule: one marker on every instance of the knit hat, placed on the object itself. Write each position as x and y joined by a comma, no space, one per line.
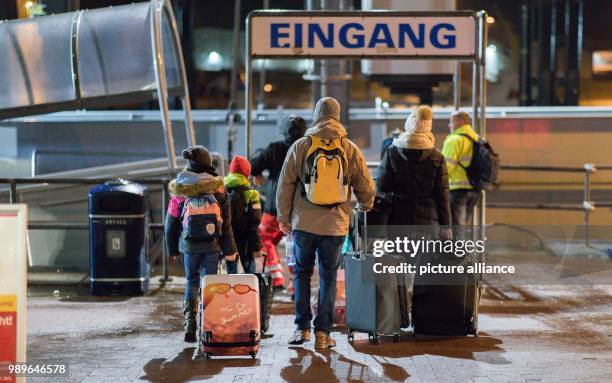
240,165
327,107
294,128
199,159
417,130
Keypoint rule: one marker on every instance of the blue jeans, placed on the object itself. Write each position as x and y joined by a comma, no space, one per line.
328,248
248,265
197,265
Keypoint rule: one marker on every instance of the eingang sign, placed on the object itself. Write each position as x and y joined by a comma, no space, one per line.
457,36
363,34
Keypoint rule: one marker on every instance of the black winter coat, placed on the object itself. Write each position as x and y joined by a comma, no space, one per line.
417,182
272,159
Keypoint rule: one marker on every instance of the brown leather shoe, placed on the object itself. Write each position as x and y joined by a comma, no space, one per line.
323,340
299,337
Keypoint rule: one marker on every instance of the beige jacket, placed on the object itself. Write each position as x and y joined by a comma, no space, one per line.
292,205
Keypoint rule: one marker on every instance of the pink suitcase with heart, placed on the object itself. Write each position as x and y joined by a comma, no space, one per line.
230,322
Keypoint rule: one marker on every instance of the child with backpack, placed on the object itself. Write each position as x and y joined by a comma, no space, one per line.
246,215
198,224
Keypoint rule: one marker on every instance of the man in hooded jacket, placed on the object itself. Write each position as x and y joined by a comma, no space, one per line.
319,231
271,159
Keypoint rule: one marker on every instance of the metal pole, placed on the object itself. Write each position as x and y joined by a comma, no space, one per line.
587,201
235,53
231,128
247,89
525,58
457,85
185,100
262,72
165,254
483,103
160,79
13,192
475,78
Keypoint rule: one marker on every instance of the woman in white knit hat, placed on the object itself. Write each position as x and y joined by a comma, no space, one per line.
413,177
413,174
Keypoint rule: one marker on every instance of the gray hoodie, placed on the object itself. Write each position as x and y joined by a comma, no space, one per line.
292,205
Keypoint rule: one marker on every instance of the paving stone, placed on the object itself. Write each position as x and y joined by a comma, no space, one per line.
140,340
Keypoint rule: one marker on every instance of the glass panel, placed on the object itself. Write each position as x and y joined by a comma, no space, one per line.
35,64
114,51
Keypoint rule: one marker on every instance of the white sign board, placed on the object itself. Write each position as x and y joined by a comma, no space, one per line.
13,287
372,34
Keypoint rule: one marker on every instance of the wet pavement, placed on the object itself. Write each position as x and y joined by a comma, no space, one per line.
528,334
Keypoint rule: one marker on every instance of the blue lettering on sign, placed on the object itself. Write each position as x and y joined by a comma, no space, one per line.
326,41
417,41
358,38
378,28
434,36
297,36
275,34
351,35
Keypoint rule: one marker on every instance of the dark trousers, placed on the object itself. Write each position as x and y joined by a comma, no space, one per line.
328,250
244,257
462,203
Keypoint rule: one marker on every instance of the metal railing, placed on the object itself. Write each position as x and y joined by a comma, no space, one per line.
587,205
54,225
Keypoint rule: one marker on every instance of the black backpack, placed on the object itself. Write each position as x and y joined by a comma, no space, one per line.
483,170
239,209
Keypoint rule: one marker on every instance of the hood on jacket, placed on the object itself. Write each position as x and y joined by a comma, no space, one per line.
415,155
327,128
233,180
294,128
189,184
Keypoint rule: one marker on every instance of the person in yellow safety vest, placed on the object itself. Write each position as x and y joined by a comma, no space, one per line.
457,150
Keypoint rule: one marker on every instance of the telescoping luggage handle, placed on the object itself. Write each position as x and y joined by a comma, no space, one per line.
361,247
220,264
263,267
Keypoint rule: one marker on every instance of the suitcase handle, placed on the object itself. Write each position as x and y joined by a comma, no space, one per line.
263,267
361,247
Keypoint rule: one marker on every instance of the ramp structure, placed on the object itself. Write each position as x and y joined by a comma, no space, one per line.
95,58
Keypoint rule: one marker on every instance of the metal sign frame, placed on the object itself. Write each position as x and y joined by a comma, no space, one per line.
478,61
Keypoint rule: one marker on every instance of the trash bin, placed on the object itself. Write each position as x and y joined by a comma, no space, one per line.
118,237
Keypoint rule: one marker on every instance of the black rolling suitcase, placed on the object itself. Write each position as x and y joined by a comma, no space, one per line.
372,306
266,295
448,307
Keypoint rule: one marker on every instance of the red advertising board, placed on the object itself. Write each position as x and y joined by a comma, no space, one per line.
8,335
13,289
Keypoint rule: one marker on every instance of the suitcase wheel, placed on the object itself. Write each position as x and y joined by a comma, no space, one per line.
207,355
207,336
396,338
373,338
351,336
253,354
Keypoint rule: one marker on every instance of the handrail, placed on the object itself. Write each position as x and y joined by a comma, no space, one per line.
587,205
50,225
